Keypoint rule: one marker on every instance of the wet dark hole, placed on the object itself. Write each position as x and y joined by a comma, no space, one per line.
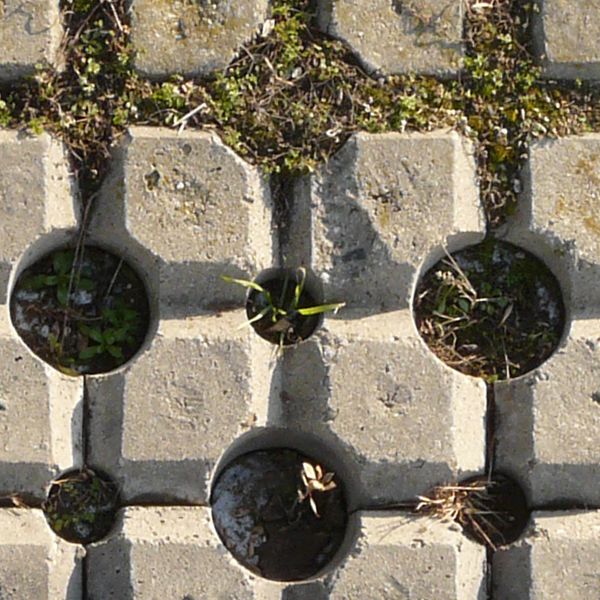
491,310
81,506
291,327
271,521
82,313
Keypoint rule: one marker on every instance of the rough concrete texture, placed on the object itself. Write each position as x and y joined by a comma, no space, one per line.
34,563
557,559
548,423
399,556
548,420
192,37
30,34
168,552
379,210
160,424
174,196
40,409
396,36
567,38
559,216
408,422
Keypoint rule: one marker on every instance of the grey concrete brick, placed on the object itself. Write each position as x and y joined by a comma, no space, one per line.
160,424
548,422
380,210
169,552
198,211
193,37
34,563
557,559
40,412
30,34
399,556
37,206
407,421
394,36
566,37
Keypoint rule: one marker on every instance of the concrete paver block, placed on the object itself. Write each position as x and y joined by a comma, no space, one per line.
567,38
192,37
198,209
30,33
398,36
160,425
168,552
37,203
34,563
399,556
384,203
560,208
557,559
408,421
548,422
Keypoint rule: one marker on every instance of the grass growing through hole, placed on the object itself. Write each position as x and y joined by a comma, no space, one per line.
281,313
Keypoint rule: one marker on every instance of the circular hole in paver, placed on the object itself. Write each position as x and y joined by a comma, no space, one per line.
81,315
286,291
280,513
492,512
81,505
492,310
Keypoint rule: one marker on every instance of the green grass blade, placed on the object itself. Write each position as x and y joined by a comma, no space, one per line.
255,318
246,283
299,287
317,310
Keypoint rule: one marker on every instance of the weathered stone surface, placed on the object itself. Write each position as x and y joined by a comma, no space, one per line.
30,33
160,424
559,215
381,208
34,563
40,419
400,556
36,199
193,37
557,559
408,421
40,409
567,38
168,552
394,36
548,423
197,208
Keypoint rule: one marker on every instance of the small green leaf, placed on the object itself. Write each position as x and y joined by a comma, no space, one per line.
35,282
62,294
62,262
89,352
464,305
86,285
109,337
95,334
50,280
115,351
316,310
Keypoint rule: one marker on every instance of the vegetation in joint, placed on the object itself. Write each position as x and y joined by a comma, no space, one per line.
294,95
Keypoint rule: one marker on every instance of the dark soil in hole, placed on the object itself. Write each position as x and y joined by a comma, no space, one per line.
262,520
283,329
491,512
96,327
492,310
81,506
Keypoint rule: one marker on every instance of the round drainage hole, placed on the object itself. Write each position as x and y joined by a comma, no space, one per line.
492,512
81,506
81,313
282,305
281,514
491,310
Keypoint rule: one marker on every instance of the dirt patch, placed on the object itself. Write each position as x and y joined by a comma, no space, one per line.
491,310
81,506
81,312
265,518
